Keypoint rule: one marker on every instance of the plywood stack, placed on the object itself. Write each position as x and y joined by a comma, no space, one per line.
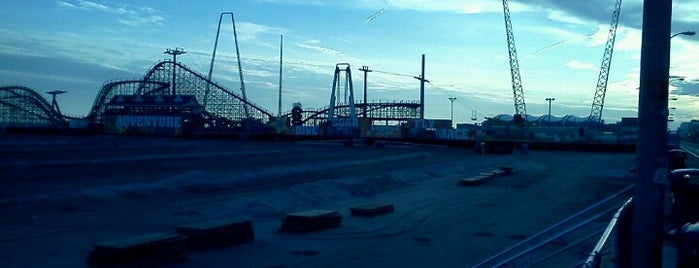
485,176
219,233
144,250
508,170
475,180
370,210
310,220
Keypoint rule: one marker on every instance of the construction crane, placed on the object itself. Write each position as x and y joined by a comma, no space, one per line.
598,101
520,107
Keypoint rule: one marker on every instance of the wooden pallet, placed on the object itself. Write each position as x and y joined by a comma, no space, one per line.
153,249
508,170
475,180
219,233
485,176
370,210
310,220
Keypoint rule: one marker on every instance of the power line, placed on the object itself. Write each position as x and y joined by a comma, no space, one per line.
396,74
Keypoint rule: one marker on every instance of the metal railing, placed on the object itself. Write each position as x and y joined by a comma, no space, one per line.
546,236
596,255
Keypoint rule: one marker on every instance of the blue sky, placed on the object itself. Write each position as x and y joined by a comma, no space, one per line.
78,45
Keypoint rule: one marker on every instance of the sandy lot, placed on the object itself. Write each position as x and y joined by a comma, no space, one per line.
59,195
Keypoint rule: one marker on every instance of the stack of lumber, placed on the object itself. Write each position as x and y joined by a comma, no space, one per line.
219,233
370,210
485,176
475,180
310,220
153,249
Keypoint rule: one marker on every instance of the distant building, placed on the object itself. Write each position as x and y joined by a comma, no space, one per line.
628,129
153,114
690,130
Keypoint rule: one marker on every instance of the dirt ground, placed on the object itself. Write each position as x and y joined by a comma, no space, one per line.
59,195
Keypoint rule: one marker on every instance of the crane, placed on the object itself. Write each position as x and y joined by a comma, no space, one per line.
520,107
598,101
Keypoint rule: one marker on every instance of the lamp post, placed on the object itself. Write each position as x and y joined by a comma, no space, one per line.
452,99
174,53
550,100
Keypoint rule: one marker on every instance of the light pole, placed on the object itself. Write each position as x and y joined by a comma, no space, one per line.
174,53
452,99
550,100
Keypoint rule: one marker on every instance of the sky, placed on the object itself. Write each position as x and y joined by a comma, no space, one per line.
78,45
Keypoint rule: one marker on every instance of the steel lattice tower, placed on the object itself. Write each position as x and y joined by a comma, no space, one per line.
598,101
520,106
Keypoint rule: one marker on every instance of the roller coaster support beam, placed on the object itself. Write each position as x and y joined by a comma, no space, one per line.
336,87
237,52
54,103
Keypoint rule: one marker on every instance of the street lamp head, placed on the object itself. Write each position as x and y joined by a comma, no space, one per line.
684,33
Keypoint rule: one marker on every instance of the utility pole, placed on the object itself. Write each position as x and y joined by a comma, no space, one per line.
550,100
422,88
452,99
281,48
366,70
174,53
651,159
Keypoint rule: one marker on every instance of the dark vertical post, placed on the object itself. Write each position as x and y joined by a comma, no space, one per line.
422,89
366,70
174,73
550,100
651,163
174,53
281,49
451,114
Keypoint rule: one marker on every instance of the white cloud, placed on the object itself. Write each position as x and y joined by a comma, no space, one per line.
574,64
251,32
628,39
561,16
141,21
458,6
684,56
131,16
687,11
298,2
324,50
599,38
66,5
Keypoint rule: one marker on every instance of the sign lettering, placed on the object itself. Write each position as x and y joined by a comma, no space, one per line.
148,121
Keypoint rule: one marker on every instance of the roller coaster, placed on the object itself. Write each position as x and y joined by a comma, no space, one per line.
24,107
377,111
223,109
